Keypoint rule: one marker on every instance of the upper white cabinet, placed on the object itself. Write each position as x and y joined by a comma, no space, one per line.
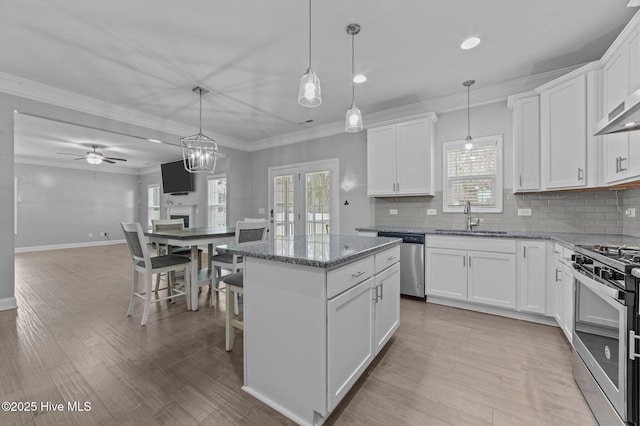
563,125
400,158
621,77
525,110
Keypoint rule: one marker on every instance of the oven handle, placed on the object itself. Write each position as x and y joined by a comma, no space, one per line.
599,288
632,345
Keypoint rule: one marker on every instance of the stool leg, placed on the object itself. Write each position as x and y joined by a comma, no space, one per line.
134,290
229,331
236,306
147,299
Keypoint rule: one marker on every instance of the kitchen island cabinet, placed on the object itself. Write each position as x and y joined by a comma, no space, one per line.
317,310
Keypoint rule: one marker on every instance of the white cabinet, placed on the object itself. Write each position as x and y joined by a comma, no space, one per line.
446,273
563,124
349,349
400,158
525,114
621,77
386,298
563,290
485,274
492,279
532,277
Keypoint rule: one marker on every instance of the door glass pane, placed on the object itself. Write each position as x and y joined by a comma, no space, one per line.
318,197
283,214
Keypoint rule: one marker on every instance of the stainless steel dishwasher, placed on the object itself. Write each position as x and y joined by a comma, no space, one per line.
411,263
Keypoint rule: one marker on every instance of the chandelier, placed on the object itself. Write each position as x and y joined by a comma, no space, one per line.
199,152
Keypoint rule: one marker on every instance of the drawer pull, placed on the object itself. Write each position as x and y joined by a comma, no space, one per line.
357,274
390,258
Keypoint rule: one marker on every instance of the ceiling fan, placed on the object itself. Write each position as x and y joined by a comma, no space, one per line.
94,157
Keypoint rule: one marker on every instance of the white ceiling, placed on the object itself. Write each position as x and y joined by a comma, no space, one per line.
147,55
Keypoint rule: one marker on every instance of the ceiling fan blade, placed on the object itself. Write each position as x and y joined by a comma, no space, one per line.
66,153
80,158
106,160
113,159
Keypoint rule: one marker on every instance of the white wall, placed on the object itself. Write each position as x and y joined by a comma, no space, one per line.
62,206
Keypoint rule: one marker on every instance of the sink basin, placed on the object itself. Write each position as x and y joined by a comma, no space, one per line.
478,232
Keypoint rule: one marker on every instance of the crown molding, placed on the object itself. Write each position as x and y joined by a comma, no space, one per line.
631,26
70,165
514,98
33,90
583,70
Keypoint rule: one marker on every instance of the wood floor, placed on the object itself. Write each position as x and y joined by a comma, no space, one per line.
70,340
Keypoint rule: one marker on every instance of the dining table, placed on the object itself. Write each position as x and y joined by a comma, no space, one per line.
193,237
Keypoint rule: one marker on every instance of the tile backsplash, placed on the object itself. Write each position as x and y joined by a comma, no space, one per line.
575,212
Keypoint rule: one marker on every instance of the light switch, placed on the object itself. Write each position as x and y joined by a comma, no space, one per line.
631,212
393,211
524,212
432,212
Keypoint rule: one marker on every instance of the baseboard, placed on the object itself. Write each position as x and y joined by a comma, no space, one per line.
67,246
540,319
8,303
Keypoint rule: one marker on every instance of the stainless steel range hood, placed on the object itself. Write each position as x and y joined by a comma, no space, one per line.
624,118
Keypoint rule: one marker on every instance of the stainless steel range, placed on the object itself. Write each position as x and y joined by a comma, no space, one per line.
605,336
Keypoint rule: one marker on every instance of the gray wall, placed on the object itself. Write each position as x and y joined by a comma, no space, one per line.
7,105
62,206
351,149
236,165
631,225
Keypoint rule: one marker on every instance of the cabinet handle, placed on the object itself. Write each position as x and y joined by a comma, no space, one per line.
524,252
390,258
622,169
617,164
580,176
557,275
464,260
398,186
375,299
357,274
469,261
381,291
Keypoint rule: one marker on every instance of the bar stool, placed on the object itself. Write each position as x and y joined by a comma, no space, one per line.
234,284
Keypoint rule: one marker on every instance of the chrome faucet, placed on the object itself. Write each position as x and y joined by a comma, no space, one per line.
471,223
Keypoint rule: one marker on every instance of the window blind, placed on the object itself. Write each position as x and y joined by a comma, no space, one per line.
472,175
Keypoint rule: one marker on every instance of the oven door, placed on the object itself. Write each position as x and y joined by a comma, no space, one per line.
600,337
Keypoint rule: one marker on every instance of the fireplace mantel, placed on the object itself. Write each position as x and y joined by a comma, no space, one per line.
182,211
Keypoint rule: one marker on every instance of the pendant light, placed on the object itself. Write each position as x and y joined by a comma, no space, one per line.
199,152
354,117
309,93
469,139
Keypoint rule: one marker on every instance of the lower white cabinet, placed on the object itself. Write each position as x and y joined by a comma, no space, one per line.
485,276
386,303
532,283
350,327
563,290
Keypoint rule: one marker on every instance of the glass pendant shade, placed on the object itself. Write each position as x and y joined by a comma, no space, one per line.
199,152
354,120
309,94
469,144
94,159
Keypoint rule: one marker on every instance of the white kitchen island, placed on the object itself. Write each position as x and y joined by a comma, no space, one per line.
317,310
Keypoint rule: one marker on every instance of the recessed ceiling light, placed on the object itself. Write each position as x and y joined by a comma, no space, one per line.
360,78
470,43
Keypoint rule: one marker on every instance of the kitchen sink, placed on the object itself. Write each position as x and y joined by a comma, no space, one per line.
477,232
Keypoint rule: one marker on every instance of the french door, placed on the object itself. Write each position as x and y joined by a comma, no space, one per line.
303,199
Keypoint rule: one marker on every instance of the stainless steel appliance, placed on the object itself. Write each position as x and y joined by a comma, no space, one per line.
411,263
605,364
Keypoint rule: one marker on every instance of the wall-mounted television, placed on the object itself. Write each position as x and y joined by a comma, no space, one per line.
175,179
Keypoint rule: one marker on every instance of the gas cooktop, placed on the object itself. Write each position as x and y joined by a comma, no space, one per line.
622,258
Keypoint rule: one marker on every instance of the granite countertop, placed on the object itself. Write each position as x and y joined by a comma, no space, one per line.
563,238
320,251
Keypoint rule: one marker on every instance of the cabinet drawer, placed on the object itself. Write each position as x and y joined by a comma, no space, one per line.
386,258
344,278
500,245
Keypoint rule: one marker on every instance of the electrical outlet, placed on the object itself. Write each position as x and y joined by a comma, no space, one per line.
261,210
393,211
631,212
90,234
104,234
432,212
524,212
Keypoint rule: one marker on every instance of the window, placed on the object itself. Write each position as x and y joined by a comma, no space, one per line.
153,203
217,201
474,175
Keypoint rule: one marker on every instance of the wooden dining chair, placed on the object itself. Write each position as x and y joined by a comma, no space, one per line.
234,283
171,225
246,231
144,263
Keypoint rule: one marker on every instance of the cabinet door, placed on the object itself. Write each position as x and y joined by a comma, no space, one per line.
381,161
532,277
567,300
558,290
616,157
564,134
492,279
349,331
414,166
526,137
386,292
446,273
